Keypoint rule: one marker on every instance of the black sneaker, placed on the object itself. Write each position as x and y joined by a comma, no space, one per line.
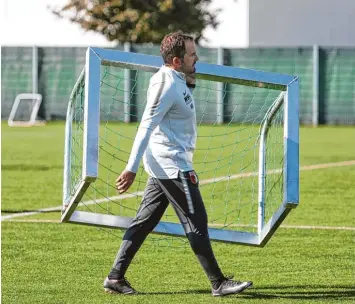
118,286
229,286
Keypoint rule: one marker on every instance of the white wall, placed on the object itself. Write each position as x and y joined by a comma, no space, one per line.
301,22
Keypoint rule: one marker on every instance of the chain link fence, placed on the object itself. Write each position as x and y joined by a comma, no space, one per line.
330,101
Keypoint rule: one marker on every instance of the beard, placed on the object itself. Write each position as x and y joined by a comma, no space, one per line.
188,70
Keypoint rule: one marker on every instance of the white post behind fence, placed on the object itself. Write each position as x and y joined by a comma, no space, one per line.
315,89
127,88
34,70
220,90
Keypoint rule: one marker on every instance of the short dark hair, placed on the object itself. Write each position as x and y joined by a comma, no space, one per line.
173,45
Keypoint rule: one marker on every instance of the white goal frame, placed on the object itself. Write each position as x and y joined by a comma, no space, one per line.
95,57
36,100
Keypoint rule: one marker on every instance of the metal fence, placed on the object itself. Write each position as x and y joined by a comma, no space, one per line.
327,76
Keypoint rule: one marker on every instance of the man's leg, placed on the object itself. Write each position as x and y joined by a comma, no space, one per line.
195,223
152,208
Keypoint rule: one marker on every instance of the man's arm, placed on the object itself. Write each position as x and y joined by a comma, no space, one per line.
159,100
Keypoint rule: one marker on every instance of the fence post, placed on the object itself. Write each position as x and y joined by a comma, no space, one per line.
34,70
315,101
220,89
127,88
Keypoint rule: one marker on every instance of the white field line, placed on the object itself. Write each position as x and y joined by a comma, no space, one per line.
203,182
219,225
291,227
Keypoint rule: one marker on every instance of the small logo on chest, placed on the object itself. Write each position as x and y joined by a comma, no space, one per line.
188,99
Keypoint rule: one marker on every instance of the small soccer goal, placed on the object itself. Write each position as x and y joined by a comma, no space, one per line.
24,111
247,154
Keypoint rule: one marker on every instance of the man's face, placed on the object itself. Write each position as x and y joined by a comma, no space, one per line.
190,58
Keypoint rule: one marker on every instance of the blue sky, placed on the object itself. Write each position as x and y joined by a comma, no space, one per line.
30,22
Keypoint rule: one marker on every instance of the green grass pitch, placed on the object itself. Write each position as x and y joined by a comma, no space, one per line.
50,262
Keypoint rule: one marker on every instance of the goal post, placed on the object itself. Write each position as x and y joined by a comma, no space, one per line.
248,165
24,110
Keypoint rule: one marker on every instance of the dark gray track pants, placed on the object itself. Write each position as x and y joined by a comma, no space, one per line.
157,195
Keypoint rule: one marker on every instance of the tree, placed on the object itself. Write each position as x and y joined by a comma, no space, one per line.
140,21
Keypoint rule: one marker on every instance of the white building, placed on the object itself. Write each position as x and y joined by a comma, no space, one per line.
284,23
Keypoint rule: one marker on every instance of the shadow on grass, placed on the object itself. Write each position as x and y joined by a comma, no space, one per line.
316,292
29,167
27,210
196,291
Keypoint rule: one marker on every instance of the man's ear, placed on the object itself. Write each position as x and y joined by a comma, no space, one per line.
177,61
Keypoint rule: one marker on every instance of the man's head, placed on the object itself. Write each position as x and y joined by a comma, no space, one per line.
179,51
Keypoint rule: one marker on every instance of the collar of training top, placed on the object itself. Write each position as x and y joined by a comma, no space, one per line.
178,74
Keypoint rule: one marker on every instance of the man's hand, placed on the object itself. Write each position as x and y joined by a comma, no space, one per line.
124,181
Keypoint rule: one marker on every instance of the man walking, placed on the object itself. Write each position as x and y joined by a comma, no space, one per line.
166,141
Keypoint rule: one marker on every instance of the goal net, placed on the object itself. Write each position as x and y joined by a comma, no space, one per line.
24,110
246,153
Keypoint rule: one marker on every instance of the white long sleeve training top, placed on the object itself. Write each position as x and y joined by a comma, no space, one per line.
166,136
